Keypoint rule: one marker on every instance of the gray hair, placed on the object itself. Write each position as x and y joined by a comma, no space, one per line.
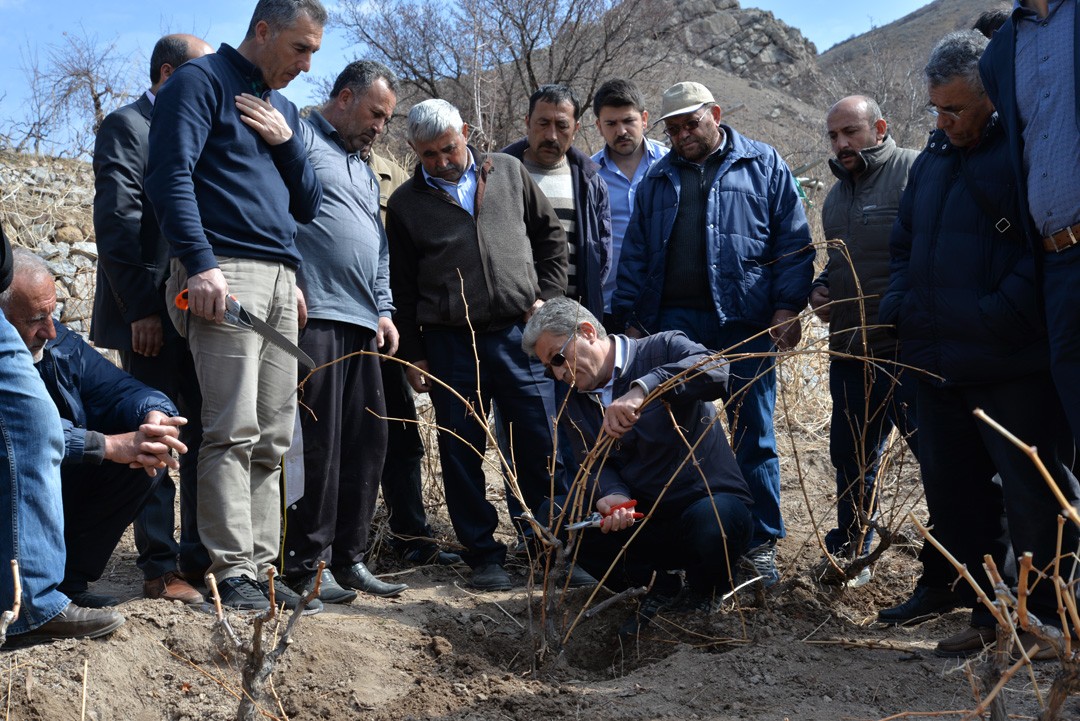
25,266
957,56
560,317
281,14
430,119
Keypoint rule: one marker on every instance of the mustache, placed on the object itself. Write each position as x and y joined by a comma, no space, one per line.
549,144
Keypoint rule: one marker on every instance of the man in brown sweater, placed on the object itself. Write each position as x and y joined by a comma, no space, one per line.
475,249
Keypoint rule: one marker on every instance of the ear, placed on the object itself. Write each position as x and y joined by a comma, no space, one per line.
262,31
597,121
165,72
526,122
465,130
587,330
880,129
344,97
645,118
716,113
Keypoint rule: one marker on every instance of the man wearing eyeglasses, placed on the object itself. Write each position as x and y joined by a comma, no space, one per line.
719,248
697,504
963,300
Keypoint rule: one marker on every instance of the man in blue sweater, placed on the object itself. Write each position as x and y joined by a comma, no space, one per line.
229,180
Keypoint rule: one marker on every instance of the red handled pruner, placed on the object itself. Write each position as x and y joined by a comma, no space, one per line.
596,519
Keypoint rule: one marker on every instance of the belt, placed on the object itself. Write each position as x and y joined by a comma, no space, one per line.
1061,239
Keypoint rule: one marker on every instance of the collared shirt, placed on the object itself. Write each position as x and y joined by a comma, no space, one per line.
464,190
605,392
151,97
1045,98
621,191
345,275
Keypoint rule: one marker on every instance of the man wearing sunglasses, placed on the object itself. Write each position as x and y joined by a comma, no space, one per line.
719,248
696,506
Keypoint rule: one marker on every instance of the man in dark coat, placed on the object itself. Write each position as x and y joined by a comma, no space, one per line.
962,297
130,316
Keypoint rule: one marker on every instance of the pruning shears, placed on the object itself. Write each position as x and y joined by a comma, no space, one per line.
596,519
237,316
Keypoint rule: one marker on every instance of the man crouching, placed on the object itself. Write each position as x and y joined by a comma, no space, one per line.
696,509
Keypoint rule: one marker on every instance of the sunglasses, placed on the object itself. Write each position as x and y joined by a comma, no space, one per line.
674,131
559,359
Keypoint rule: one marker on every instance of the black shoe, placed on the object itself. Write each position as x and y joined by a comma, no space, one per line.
85,599
329,590
359,577
241,593
73,622
491,577
284,594
430,554
580,578
652,604
926,602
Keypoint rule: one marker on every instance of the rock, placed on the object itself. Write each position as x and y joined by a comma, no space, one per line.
69,234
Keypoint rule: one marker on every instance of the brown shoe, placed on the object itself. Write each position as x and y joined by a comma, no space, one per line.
171,588
1040,653
971,640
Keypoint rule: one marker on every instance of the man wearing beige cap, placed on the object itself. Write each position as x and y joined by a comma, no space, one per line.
733,261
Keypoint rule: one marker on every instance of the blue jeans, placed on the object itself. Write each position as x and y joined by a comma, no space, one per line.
868,401
749,411
517,384
31,447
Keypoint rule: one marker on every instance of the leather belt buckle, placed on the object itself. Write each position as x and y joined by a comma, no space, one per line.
1061,239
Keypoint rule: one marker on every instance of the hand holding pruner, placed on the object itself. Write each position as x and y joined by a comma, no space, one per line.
596,519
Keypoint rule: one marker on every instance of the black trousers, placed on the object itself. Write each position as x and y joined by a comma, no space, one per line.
402,482
100,502
173,373
344,447
974,516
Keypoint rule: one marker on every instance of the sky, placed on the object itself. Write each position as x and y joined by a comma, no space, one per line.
29,27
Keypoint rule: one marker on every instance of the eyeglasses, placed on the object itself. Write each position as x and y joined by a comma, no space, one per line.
674,131
935,111
559,359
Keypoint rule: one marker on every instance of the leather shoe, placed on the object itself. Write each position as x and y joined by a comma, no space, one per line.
491,577
359,577
73,622
329,590
171,587
971,640
925,602
86,599
430,555
1041,653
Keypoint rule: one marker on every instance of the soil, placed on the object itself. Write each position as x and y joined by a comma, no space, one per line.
440,651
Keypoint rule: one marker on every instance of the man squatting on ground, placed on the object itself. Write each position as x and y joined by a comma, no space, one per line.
706,500
118,436
229,179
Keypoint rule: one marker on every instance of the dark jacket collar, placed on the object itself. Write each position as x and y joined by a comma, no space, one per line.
247,69
573,156
873,158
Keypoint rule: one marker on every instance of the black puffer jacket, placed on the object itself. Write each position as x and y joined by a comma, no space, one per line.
961,293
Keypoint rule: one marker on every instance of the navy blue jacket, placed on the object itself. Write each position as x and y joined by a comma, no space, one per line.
592,224
760,257
998,70
641,462
94,397
217,187
961,294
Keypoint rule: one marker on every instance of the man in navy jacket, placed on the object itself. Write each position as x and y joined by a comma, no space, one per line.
696,501
229,179
107,416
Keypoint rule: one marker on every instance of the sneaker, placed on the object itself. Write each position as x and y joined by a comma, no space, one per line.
650,606
285,595
241,593
73,622
491,577
171,587
925,603
329,589
763,560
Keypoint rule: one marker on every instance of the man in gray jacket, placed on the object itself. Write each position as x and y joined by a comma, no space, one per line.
870,394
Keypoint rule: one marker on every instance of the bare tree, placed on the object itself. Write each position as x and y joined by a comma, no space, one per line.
80,82
486,56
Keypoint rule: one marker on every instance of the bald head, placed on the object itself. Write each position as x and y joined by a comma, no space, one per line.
854,124
172,51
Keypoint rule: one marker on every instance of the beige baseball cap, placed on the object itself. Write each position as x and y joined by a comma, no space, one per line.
684,98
